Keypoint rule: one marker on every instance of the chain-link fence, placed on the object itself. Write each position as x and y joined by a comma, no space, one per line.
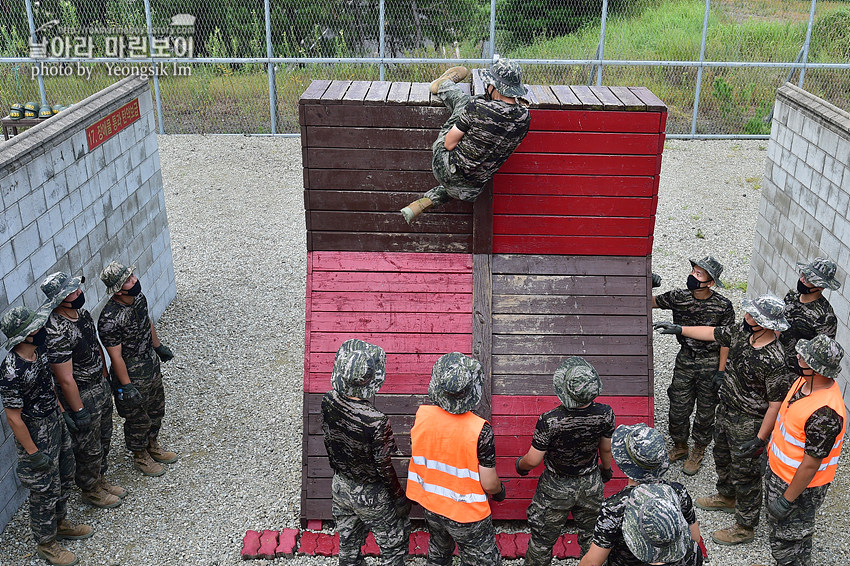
239,66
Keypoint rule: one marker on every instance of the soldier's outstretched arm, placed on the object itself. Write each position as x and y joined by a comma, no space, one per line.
531,460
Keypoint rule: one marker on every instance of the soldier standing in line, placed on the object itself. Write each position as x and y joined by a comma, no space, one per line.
79,365
45,459
699,367
640,453
479,136
453,466
804,450
367,495
130,339
807,310
756,382
570,439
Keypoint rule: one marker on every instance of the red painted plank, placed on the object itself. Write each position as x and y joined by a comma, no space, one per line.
308,314
555,205
571,225
537,405
589,142
425,323
396,383
561,164
572,245
383,261
392,302
391,281
407,343
594,121
620,186
511,425
397,362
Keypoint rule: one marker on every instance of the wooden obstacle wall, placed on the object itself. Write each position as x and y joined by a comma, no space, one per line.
552,261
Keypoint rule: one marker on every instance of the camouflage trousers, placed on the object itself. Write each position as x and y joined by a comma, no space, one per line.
555,498
791,538
49,489
91,447
142,423
452,183
738,476
359,508
476,542
691,385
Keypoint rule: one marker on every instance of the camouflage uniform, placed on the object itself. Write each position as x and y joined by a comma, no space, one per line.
476,542
695,365
754,378
129,327
77,341
807,321
29,386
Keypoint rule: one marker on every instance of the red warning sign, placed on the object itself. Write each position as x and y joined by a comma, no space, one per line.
107,127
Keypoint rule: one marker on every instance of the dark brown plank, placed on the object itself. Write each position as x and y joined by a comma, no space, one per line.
650,362
567,98
568,324
356,93
377,94
399,93
560,345
608,99
401,423
319,467
482,329
342,221
387,116
569,265
354,180
568,285
335,92
545,97
420,94
627,97
316,445
569,304
371,138
381,159
369,201
653,103
482,224
541,384
607,365
375,242
313,93
587,98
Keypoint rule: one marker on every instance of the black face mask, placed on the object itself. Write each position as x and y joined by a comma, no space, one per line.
801,370
39,338
693,283
751,328
135,289
804,289
78,302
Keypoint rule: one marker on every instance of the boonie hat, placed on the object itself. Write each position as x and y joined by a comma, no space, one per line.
654,528
576,382
640,452
506,76
712,266
115,275
822,353
19,322
456,383
820,273
768,311
59,285
359,369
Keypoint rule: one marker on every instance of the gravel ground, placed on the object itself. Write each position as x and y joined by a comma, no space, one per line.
237,327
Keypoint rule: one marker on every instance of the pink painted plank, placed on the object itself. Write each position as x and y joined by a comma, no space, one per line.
397,362
505,425
537,405
394,282
392,302
402,343
408,383
425,322
308,314
392,261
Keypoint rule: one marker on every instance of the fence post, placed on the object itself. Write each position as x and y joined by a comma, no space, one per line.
34,41
699,70
600,51
806,44
382,36
156,91
492,28
272,84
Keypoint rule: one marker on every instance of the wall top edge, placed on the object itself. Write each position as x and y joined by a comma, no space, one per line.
815,106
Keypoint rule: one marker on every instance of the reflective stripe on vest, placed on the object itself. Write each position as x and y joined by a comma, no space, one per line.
443,471
788,442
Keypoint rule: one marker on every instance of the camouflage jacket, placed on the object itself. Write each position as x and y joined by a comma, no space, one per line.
27,386
570,437
716,310
75,341
807,321
129,326
492,131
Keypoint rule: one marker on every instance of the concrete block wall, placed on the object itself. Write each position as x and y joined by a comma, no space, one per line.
805,205
65,207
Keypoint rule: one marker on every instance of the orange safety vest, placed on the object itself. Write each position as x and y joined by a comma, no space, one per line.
443,472
788,442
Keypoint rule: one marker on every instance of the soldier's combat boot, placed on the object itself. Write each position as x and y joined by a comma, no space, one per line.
694,460
414,209
68,530
736,534
115,490
678,452
56,554
716,502
145,464
160,454
454,74
99,497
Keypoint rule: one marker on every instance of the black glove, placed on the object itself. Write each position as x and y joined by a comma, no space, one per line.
164,352
667,328
69,422
656,280
779,508
519,470
753,448
129,396
38,461
501,495
402,506
606,474
82,418
717,380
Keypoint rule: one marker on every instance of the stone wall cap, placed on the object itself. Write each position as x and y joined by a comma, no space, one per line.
815,106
